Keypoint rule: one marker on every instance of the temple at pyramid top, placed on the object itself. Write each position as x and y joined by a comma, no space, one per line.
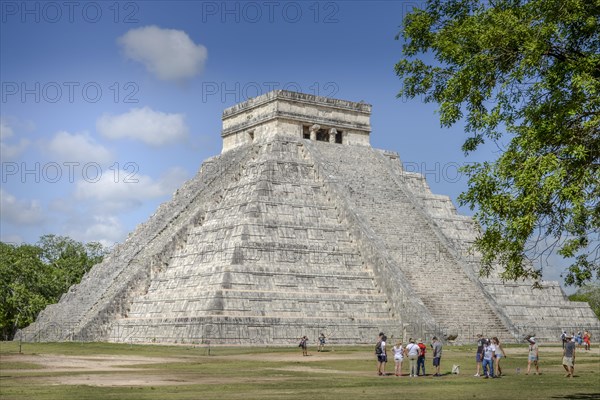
297,114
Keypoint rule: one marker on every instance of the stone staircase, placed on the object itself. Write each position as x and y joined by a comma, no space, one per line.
543,312
453,298
272,254
87,311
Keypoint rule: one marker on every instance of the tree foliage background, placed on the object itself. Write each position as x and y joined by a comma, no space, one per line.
524,74
33,276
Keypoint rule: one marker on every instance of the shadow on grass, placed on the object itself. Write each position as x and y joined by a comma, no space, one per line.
579,396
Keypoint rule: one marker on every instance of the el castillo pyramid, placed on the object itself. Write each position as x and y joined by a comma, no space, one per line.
300,227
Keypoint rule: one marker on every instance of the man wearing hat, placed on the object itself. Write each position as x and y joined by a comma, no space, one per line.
533,356
569,357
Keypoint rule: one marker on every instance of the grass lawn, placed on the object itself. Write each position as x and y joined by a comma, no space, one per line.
118,371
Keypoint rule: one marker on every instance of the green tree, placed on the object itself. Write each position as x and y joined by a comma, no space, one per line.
33,276
526,72
69,259
589,293
23,288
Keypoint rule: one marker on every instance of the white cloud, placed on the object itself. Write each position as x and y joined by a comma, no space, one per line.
86,221
98,211
10,151
79,147
19,212
107,230
119,194
152,127
167,53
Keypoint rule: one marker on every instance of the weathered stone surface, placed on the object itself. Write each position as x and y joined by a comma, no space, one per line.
290,232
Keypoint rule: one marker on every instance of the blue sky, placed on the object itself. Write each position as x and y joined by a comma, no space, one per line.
108,107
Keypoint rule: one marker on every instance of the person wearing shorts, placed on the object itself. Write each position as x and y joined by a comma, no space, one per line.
587,344
437,355
533,357
499,353
304,345
398,357
569,357
381,353
322,338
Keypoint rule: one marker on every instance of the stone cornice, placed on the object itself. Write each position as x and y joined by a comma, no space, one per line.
250,104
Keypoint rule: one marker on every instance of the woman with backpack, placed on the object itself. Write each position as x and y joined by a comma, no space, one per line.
381,353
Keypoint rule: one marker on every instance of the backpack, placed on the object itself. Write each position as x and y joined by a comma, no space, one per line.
378,349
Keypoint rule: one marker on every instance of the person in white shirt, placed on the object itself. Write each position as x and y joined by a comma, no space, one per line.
398,357
499,355
412,352
489,354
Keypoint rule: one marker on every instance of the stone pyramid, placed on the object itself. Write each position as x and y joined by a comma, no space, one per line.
300,227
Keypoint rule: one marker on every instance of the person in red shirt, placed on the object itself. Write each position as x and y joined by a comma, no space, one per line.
421,359
586,340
